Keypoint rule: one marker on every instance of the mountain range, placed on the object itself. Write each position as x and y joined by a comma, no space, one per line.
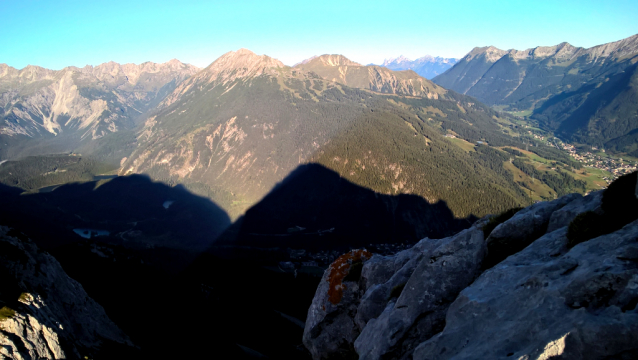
166,211
235,129
582,95
426,66
66,108
239,126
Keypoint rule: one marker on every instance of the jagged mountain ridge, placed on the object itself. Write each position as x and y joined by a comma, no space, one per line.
426,66
242,63
235,129
82,103
460,79
584,95
340,69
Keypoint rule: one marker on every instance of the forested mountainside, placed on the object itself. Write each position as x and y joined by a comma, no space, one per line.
426,66
44,111
583,95
235,129
232,131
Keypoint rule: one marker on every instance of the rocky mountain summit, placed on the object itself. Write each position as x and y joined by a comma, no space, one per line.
465,76
45,314
233,65
340,69
426,66
555,280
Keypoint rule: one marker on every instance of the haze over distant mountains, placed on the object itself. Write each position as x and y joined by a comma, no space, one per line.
426,66
583,95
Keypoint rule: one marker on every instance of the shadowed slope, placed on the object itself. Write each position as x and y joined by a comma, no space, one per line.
133,210
337,214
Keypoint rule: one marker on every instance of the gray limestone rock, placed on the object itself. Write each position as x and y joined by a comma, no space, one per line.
549,302
45,313
563,216
540,300
524,227
419,312
390,273
330,329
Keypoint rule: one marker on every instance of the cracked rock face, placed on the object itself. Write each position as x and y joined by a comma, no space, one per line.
419,311
547,301
46,314
541,299
563,216
332,329
523,228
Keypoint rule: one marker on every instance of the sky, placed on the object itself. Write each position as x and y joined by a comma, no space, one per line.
56,34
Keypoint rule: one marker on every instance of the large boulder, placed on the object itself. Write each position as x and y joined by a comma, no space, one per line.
330,329
524,227
386,276
419,311
524,292
44,314
549,301
563,216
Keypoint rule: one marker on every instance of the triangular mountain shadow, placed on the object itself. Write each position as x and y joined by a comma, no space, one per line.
130,210
154,231
220,292
314,208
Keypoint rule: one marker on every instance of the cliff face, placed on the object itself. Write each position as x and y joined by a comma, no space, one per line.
88,102
46,314
532,288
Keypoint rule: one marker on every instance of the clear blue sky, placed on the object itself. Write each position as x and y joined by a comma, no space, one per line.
55,34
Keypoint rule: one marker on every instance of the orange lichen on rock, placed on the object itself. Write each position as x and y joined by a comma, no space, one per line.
339,269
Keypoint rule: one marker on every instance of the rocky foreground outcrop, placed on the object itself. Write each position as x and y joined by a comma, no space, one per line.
44,314
526,291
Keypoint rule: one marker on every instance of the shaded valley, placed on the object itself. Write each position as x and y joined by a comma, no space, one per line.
152,256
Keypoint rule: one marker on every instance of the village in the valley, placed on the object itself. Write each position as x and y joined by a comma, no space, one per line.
616,166
595,157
